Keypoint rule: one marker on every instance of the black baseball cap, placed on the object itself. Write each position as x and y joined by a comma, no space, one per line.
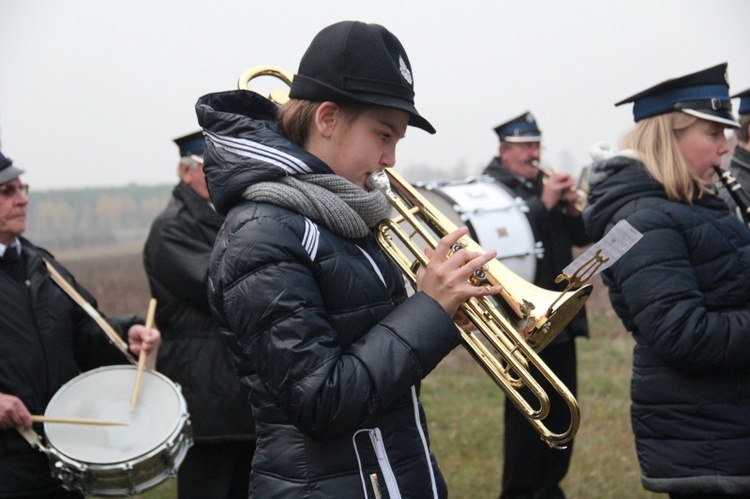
703,94
7,170
351,61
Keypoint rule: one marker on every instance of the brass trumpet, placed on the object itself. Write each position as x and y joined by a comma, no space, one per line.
277,95
581,189
511,330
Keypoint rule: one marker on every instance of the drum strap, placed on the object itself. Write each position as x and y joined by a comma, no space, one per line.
32,437
92,312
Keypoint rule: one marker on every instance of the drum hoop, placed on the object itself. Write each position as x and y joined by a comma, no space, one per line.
174,433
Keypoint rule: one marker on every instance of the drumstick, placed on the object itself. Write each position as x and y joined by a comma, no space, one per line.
142,356
99,422
91,311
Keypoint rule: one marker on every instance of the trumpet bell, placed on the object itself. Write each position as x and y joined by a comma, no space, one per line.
511,328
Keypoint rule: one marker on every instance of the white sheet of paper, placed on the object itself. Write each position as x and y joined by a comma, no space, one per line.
616,243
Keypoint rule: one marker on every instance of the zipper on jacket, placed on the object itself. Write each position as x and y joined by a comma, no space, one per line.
385,466
375,485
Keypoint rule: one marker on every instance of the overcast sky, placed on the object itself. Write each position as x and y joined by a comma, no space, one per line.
93,91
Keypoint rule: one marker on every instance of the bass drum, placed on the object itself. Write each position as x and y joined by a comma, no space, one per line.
117,460
496,219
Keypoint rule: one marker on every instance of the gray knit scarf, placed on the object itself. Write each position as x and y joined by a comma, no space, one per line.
327,199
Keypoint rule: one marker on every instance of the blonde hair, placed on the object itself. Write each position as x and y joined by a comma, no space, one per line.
741,132
655,141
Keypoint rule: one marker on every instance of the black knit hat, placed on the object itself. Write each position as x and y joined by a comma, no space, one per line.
351,61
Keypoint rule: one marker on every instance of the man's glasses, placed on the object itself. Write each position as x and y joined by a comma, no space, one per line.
10,190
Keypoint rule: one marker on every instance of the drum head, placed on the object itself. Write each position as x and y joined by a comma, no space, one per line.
105,393
494,216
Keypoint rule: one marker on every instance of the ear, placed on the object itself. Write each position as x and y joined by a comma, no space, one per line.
184,172
325,118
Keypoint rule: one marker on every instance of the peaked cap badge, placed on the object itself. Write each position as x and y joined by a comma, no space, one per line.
404,70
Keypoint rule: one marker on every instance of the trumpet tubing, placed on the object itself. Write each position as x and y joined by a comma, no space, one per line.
277,95
510,330
581,190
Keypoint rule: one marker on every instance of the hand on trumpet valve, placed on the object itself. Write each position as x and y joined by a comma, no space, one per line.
557,187
447,276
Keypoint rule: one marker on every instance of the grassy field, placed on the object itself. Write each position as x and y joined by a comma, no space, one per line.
463,404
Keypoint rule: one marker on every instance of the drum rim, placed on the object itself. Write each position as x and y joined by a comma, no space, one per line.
525,264
174,432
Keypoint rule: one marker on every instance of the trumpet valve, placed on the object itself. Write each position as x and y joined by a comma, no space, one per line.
479,277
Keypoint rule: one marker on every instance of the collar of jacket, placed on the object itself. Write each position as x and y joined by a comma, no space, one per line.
741,158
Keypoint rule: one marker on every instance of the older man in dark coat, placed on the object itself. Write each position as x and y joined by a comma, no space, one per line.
531,468
193,354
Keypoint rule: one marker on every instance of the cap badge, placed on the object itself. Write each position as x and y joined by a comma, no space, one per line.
529,118
404,70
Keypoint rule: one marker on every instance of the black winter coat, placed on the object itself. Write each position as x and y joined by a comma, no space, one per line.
558,233
192,352
683,290
320,326
45,341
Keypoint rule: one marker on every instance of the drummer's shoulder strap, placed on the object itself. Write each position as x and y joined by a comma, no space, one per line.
91,311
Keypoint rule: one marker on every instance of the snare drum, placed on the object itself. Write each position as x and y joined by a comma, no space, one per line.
117,460
496,219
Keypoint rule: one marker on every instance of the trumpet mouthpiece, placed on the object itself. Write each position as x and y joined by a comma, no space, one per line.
379,181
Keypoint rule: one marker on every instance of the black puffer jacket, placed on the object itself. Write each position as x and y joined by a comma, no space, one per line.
321,328
45,341
192,353
684,292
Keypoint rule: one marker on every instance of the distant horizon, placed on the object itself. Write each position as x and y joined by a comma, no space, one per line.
93,92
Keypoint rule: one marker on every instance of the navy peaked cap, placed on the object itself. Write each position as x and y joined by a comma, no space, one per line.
703,94
744,97
193,143
7,170
522,128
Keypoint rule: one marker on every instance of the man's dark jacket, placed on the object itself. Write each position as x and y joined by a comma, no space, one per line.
46,339
192,353
557,231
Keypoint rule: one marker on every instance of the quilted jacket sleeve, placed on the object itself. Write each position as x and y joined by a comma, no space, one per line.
281,330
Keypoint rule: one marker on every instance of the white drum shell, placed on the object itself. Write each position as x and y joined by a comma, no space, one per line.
118,460
497,220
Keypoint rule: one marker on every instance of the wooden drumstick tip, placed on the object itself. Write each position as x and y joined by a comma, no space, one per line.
143,355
